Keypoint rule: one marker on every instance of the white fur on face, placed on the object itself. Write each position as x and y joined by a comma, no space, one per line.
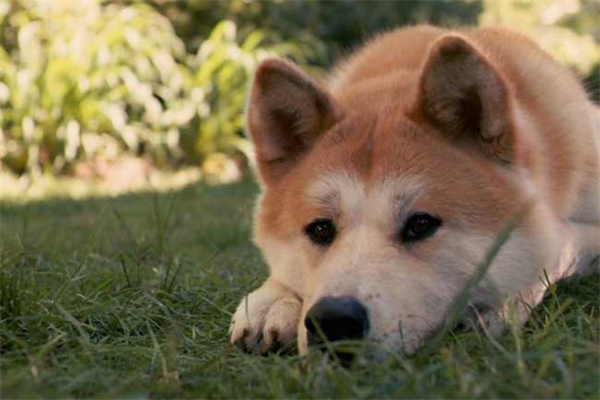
338,193
346,195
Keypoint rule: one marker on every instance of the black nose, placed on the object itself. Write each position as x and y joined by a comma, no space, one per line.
336,318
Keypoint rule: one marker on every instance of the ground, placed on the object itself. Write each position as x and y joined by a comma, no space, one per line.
132,297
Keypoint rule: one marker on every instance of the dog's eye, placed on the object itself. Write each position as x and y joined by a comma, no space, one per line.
321,231
419,226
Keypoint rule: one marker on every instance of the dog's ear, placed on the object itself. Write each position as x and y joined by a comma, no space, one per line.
287,111
463,95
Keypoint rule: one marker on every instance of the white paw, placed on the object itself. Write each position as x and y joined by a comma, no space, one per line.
266,320
513,313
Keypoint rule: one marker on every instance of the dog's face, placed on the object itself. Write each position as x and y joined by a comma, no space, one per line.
376,210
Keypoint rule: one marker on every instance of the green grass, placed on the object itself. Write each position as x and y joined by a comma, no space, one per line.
132,297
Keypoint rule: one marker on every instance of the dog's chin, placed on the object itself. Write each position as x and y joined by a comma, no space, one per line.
379,349
347,353
367,351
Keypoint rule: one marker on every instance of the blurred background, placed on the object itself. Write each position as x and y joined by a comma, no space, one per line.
104,97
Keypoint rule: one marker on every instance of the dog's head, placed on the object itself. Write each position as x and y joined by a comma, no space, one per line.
381,200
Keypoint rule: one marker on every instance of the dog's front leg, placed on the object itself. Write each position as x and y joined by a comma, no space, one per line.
266,319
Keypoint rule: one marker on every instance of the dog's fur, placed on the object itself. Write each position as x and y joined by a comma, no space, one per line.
474,126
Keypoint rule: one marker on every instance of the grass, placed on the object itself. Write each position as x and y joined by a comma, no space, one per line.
132,297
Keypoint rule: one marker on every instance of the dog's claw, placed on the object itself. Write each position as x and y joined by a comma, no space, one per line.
264,323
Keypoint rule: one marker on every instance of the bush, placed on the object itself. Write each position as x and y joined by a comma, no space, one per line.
222,69
167,80
80,80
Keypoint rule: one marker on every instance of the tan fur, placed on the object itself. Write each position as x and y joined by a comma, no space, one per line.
386,137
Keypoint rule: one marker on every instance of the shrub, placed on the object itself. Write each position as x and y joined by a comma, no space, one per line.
80,80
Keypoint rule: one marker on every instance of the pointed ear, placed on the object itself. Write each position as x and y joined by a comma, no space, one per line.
463,95
287,111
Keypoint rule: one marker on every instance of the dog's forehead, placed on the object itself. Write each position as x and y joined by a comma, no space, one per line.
391,167
348,193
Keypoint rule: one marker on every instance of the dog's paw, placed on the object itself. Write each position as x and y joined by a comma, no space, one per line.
266,320
281,325
490,320
513,313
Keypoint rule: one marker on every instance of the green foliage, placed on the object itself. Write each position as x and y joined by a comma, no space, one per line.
567,29
223,67
79,80
85,79
90,80
339,24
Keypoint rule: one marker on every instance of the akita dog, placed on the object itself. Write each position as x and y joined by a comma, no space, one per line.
385,188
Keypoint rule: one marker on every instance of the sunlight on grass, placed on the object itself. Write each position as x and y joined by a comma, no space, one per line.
22,190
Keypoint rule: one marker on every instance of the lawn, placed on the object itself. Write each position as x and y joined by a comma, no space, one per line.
132,297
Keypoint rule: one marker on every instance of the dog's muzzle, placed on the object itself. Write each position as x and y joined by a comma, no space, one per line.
333,319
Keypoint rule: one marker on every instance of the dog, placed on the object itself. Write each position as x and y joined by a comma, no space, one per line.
385,189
